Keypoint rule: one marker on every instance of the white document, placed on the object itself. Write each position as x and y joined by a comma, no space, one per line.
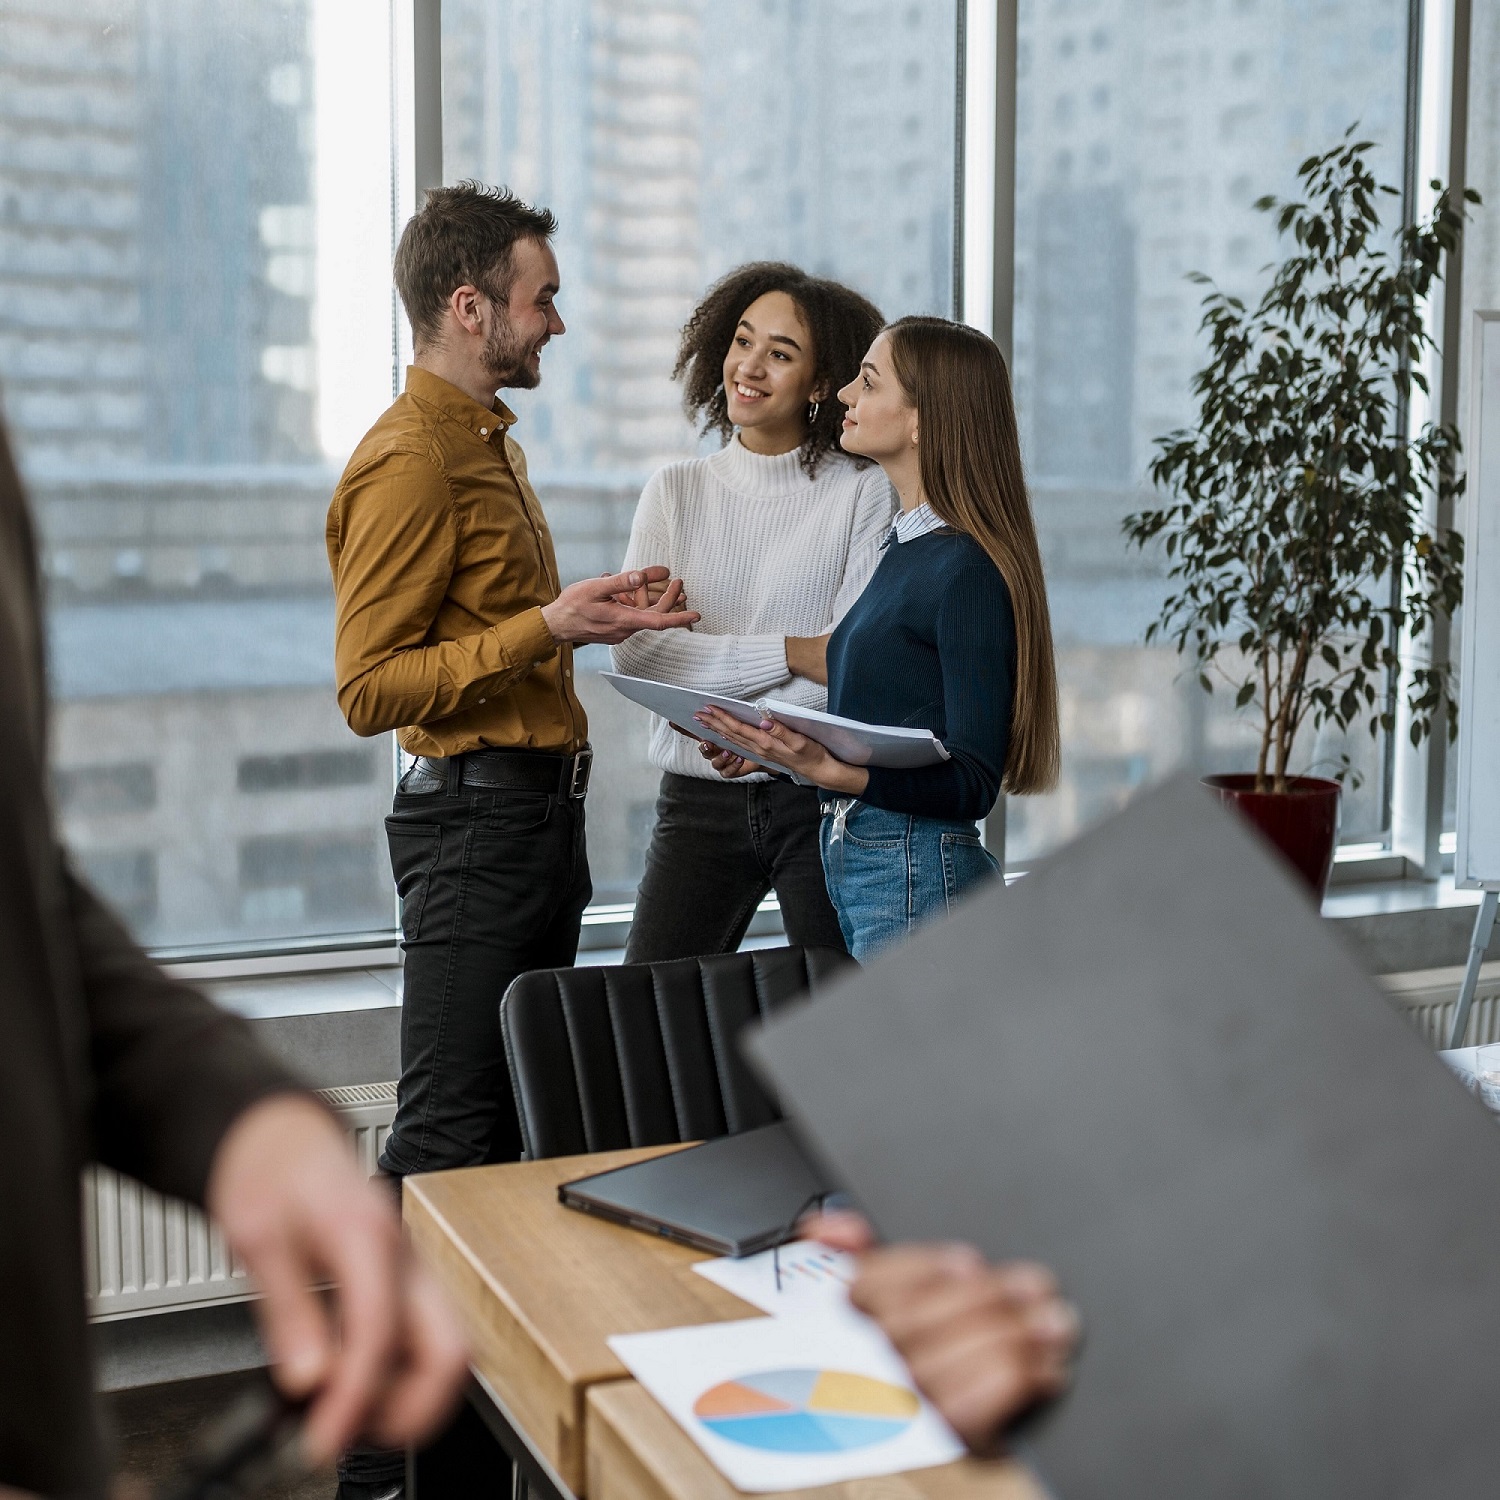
790,1403
677,705
812,1277
1464,1062
853,743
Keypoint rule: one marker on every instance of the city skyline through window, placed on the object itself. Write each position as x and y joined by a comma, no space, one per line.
1144,135
196,324
675,139
195,327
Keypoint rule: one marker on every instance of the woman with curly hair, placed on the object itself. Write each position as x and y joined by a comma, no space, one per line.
775,536
953,635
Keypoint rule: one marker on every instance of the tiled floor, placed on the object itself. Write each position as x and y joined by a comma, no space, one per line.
155,1425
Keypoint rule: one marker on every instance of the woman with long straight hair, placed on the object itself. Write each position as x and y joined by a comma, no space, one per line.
952,635
774,536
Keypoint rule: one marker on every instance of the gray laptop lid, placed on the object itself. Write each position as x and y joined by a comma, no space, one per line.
733,1195
1151,1066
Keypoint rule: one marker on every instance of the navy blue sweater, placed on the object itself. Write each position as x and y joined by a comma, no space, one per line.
931,644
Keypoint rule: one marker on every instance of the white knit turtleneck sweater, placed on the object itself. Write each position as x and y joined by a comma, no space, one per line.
765,552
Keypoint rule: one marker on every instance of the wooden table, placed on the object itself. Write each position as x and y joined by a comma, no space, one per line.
539,1289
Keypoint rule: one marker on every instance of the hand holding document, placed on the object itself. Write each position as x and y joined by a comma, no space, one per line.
848,740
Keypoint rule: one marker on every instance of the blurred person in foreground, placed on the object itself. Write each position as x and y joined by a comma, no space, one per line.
984,1343
104,1058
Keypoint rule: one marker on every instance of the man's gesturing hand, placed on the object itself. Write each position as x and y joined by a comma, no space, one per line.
385,1359
589,610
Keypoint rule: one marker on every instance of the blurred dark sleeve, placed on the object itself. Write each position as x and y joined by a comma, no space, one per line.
171,1071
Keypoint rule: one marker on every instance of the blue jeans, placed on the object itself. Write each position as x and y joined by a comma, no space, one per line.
889,872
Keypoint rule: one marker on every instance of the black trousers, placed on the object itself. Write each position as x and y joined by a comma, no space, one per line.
717,848
491,884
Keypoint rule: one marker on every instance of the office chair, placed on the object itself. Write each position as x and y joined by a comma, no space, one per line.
644,1054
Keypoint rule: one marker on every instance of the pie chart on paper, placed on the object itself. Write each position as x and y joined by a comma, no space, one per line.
806,1411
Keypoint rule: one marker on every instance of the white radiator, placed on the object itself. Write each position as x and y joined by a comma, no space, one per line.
144,1253
1429,998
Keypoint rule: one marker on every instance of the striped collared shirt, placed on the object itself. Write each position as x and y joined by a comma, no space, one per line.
911,524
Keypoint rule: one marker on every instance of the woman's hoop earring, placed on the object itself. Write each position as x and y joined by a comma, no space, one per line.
812,411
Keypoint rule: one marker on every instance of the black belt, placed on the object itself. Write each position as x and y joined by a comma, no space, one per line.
517,770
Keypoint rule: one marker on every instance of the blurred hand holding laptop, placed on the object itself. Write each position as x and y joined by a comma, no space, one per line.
1121,1068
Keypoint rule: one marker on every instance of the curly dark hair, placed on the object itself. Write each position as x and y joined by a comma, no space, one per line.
842,323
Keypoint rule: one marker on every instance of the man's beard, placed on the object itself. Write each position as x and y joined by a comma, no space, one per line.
507,361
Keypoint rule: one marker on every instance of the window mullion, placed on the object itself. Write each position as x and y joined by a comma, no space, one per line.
1439,142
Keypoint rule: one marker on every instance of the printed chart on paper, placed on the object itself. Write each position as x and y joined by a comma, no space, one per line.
807,1411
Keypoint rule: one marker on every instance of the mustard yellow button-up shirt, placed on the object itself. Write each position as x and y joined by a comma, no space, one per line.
442,561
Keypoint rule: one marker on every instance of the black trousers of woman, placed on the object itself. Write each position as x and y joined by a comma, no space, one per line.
717,849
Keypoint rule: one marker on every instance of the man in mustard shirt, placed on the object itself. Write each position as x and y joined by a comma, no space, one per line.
452,630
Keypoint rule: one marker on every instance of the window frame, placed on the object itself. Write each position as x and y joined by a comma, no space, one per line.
984,290
1439,147
1436,137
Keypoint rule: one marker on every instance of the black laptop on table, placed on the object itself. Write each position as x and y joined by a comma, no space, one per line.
731,1196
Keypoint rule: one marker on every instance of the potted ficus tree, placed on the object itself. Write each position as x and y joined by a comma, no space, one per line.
1299,500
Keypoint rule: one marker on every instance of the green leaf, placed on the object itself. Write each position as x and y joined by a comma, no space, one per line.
1294,496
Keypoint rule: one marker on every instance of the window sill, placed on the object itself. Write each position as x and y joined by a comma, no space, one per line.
373,951
1367,864
319,992
1398,926
332,1028
605,928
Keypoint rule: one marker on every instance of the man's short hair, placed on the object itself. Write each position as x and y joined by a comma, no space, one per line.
464,235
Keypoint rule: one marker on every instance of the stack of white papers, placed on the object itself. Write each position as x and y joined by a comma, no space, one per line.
853,743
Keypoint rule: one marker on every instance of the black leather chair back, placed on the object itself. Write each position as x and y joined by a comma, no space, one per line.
644,1054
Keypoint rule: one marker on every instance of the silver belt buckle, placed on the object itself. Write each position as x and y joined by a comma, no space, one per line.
841,810
583,764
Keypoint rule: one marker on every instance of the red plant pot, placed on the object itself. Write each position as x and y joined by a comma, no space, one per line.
1301,822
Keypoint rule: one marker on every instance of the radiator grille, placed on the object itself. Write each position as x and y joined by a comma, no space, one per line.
1429,999
145,1253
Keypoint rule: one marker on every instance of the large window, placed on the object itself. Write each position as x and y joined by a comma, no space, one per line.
196,324
675,140
1145,133
195,327
1481,256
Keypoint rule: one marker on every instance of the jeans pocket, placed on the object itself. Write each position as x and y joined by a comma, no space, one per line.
414,851
875,828
966,864
418,781
511,813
